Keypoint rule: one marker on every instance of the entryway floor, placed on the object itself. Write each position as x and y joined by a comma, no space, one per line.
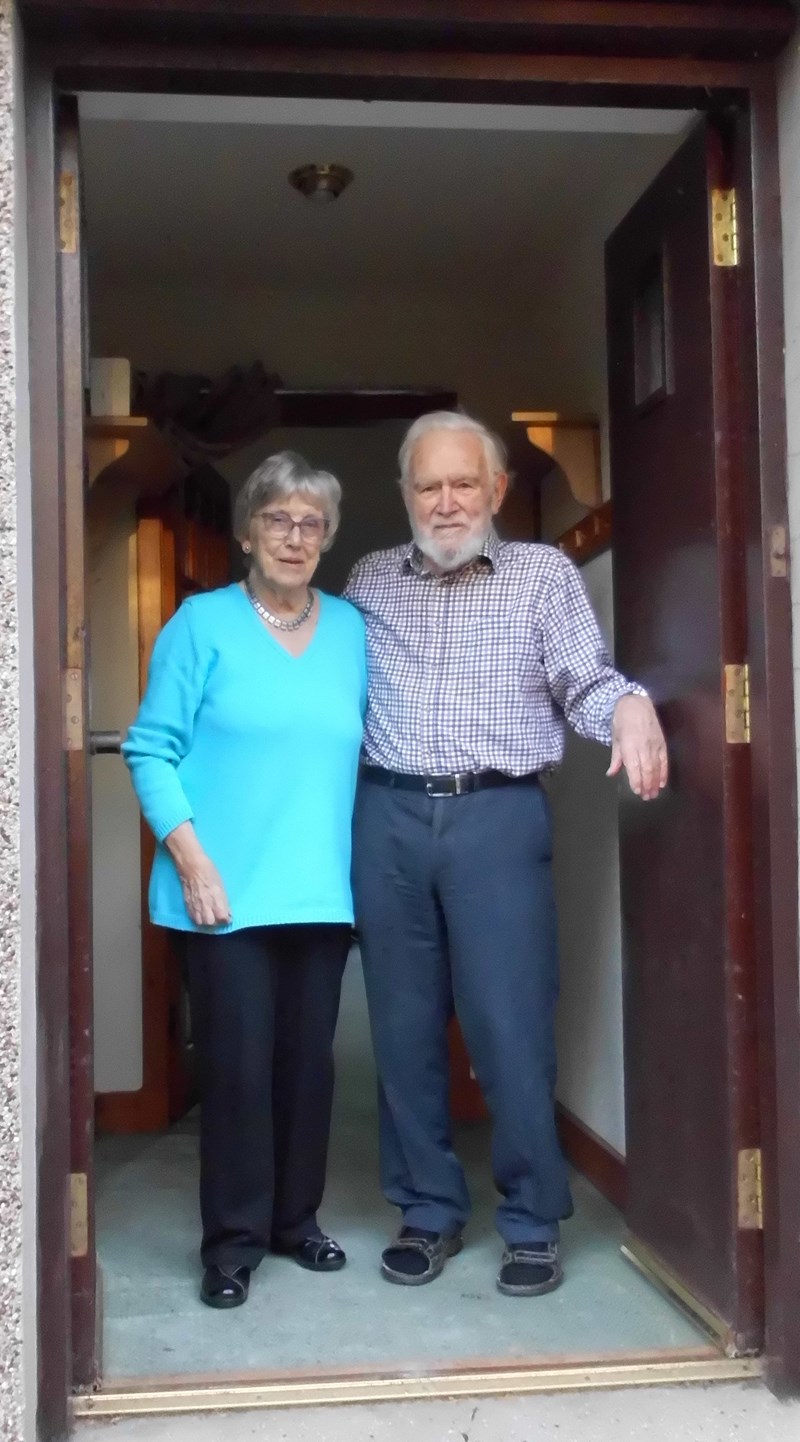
154,1324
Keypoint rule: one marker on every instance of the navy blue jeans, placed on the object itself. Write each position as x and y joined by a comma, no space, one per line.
454,906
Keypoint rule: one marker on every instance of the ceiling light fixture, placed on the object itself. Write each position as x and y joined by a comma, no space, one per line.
321,183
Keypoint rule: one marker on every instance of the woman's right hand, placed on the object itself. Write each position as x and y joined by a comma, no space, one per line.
203,887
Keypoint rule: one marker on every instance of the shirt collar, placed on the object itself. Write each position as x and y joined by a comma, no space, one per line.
413,561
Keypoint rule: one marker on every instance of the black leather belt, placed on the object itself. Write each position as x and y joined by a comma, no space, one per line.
459,783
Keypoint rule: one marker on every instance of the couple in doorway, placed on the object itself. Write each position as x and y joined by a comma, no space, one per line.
283,734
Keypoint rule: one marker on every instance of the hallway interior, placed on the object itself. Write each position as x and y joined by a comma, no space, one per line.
155,1326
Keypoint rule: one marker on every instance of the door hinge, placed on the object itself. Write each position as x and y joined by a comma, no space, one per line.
724,228
68,212
737,705
778,552
73,710
750,1196
78,1214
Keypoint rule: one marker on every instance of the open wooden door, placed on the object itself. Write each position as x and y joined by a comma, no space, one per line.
678,462
85,1340
183,547
181,516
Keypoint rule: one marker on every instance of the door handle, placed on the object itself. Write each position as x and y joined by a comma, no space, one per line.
105,743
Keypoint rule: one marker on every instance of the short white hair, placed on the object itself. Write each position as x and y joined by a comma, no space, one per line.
493,448
280,477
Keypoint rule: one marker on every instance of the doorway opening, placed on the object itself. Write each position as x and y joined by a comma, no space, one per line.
467,260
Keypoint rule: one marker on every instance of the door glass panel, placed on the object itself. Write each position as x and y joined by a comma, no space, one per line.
650,335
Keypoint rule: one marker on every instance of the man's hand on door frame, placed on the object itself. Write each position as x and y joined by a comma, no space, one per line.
638,745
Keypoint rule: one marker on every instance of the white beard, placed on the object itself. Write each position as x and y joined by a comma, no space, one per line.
449,557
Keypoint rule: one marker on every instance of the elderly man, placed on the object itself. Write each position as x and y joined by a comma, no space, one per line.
478,651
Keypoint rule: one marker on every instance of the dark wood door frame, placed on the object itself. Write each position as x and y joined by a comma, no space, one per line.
79,856
54,1342
739,29
703,55
773,722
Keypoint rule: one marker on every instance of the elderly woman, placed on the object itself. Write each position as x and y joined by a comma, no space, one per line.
244,757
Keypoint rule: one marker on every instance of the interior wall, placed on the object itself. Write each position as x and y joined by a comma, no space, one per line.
586,871
497,352
558,508
114,684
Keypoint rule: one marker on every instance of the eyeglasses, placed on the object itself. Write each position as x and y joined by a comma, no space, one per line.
280,525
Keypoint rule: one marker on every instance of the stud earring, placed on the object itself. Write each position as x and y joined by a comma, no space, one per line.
246,548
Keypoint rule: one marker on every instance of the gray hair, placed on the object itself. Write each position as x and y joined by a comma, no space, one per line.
278,478
493,448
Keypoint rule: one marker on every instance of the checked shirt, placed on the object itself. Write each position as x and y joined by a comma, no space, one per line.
478,669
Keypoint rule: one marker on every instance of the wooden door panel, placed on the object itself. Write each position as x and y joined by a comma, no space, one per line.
85,1342
182,546
686,892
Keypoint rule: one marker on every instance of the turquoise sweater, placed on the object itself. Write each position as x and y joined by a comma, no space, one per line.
259,749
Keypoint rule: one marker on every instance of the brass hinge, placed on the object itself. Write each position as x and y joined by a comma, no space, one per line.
750,1193
73,710
778,552
724,228
737,705
78,1214
68,212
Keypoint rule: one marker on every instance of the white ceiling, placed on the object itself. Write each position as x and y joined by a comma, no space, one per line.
445,197
391,114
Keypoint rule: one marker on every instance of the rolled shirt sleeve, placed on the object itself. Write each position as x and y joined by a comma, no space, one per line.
580,673
161,735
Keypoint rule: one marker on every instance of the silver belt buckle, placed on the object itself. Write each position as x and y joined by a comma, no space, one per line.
453,790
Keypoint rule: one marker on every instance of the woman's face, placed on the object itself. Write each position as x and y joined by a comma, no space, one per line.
285,540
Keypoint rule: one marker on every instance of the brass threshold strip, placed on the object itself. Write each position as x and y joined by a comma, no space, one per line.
664,1280
323,1393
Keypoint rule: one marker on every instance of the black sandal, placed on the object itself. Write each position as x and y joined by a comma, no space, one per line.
528,1269
416,1256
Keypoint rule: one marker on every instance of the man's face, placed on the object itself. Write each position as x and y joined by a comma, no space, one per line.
451,497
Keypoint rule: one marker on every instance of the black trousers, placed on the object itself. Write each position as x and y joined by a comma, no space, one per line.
265,1001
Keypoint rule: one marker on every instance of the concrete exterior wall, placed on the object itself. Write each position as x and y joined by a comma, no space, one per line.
17,960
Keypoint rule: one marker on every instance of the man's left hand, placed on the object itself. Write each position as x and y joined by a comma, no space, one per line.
637,743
